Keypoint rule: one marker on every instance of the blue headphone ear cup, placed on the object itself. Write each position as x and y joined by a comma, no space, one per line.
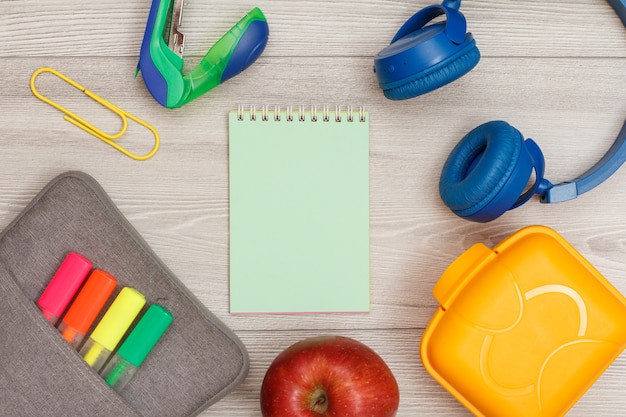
424,56
479,167
436,76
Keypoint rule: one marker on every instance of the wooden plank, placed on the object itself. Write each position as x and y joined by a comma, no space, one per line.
313,28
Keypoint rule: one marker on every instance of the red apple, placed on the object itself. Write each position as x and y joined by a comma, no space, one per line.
329,376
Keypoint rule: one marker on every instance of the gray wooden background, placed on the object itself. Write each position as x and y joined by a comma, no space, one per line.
554,69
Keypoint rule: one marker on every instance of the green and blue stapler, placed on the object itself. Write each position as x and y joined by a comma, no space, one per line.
161,57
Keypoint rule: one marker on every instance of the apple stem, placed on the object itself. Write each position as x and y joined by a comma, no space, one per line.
319,401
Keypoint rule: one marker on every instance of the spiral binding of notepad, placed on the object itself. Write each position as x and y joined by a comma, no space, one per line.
302,113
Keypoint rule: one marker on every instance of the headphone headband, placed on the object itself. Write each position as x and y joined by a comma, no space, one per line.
620,9
594,176
455,22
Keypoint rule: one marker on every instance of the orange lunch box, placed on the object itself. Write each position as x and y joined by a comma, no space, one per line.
523,330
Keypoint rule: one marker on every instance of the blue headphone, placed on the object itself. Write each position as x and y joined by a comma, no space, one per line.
422,57
487,172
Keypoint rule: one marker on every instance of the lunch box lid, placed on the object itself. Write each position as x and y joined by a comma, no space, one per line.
523,330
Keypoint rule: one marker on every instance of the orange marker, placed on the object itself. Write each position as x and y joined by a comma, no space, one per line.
85,309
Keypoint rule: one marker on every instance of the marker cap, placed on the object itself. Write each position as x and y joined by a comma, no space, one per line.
146,334
112,327
118,318
87,305
63,286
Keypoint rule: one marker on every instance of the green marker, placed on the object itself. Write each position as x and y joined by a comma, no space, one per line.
137,347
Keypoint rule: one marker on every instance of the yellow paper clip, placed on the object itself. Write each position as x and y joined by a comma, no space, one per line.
88,127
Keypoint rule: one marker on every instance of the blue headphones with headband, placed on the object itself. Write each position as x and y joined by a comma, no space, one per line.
423,57
488,171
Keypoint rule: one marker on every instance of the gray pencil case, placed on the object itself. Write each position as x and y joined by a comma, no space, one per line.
198,361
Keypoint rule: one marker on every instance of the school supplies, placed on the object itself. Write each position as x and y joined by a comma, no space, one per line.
88,127
137,346
114,324
112,327
86,307
524,329
198,355
63,286
161,62
299,210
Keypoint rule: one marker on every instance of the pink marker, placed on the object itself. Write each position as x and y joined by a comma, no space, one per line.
63,286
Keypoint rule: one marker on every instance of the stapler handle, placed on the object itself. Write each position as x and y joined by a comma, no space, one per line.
232,54
162,68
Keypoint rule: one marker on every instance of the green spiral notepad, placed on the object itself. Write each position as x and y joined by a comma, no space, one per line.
299,211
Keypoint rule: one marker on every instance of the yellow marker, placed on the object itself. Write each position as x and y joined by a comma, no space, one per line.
112,327
88,127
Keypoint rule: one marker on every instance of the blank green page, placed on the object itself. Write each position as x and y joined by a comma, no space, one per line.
299,211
